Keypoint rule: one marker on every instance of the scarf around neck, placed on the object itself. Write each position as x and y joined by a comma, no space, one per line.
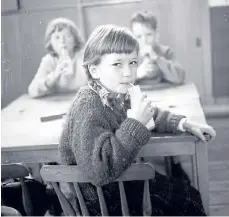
109,99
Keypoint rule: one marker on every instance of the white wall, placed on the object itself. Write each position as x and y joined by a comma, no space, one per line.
216,3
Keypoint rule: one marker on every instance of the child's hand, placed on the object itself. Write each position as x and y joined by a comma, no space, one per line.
141,108
199,130
64,67
52,78
147,70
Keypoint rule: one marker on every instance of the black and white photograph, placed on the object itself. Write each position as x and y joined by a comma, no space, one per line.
114,107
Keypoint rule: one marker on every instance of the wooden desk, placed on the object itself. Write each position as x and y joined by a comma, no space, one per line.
26,139
30,140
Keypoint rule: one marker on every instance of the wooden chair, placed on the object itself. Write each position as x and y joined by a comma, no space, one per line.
72,175
13,171
9,211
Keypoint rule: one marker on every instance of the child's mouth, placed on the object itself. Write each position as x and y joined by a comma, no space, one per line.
127,83
64,47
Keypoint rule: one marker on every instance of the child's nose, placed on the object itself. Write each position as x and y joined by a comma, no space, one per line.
127,71
144,39
63,39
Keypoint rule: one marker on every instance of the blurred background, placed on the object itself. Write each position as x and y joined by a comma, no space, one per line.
197,30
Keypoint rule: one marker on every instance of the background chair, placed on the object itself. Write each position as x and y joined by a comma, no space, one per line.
9,211
14,171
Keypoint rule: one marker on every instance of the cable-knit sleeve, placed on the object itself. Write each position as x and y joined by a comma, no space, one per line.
166,122
104,155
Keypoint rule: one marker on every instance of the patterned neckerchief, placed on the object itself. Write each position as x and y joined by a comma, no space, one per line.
112,100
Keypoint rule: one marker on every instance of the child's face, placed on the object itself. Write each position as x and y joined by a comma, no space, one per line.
62,40
145,35
116,71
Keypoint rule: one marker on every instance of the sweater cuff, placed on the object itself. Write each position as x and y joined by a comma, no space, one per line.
174,122
181,125
136,130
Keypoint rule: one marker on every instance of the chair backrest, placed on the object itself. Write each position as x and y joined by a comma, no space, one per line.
9,211
13,171
73,175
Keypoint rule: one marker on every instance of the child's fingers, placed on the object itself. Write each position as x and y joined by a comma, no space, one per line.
143,97
64,63
147,102
210,131
198,133
62,60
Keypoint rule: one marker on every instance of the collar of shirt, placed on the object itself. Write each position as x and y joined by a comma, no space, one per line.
112,100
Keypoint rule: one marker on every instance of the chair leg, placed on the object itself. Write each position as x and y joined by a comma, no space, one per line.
174,168
34,170
168,167
194,172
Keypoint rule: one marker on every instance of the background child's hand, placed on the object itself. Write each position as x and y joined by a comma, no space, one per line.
141,108
64,67
199,130
147,70
53,78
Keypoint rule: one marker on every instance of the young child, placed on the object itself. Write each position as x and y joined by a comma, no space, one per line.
157,65
158,62
106,127
61,69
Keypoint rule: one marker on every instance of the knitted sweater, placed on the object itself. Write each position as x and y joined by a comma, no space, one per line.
168,69
103,142
46,70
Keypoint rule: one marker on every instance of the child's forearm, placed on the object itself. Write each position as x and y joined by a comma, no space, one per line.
44,80
104,155
167,122
38,88
51,80
171,71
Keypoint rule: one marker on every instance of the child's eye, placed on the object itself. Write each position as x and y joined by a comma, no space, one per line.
134,62
116,64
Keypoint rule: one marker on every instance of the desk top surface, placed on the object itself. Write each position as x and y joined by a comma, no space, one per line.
22,128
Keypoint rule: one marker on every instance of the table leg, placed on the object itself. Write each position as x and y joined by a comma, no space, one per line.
202,173
194,172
